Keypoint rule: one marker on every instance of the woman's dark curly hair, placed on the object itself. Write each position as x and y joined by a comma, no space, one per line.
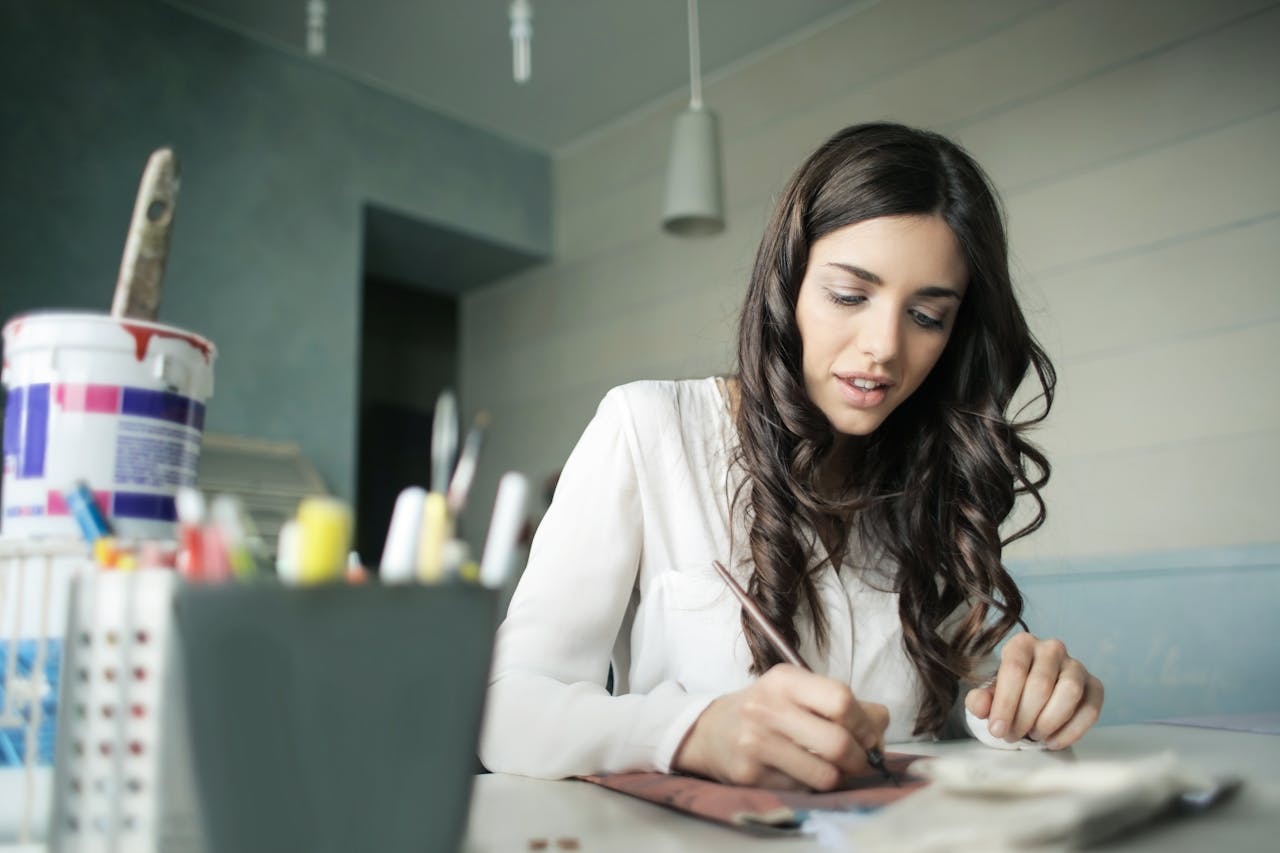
940,475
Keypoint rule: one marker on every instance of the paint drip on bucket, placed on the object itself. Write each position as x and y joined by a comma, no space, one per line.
117,403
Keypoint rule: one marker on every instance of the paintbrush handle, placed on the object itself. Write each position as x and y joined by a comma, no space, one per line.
146,247
444,441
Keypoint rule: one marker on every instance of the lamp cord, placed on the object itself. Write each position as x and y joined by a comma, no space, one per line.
695,59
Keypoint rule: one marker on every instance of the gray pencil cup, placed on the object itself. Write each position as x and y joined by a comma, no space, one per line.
335,718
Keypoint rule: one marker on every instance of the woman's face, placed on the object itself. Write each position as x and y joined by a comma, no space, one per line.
876,308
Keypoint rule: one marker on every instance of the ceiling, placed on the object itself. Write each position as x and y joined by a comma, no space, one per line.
594,61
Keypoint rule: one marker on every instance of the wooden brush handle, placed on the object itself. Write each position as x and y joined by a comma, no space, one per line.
146,248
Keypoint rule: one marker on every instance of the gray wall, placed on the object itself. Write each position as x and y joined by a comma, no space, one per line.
1136,146
279,158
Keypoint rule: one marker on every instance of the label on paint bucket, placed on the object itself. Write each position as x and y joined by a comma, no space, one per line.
116,404
156,446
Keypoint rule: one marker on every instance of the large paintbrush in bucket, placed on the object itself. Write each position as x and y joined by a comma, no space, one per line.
146,247
114,402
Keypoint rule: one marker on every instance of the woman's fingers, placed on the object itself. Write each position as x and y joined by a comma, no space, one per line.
1015,662
831,740
1040,691
978,701
879,716
778,752
809,727
831,700
791,728
1050,658
1086,714
1063,703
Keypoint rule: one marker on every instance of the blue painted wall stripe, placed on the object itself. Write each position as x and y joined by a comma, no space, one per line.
1170,633
1211,559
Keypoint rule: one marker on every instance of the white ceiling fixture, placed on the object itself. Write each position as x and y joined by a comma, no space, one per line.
695,200
599,61
521,35
316,12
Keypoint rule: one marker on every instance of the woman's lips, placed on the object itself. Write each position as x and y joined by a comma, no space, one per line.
861,398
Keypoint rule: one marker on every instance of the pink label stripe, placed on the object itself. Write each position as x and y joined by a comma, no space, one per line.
137,505
56,504
84,397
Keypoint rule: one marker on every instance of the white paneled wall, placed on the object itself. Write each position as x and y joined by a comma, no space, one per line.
1137,147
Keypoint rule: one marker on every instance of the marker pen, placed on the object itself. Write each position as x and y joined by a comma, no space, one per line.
504,528
88,515
436,530
190,506
231,521
400,553
287,552
324,538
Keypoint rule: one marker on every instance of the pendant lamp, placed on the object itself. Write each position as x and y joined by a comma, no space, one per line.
695,199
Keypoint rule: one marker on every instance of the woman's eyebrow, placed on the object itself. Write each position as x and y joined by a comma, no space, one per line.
937,290
931,291
858,272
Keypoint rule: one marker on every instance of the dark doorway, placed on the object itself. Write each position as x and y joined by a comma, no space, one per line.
414,274
408,356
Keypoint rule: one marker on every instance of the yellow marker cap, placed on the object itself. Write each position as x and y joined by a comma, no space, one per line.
324,539
105,552
437,529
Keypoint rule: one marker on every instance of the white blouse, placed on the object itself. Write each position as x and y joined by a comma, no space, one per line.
620,570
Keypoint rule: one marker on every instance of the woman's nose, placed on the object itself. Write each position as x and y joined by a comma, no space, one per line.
880,334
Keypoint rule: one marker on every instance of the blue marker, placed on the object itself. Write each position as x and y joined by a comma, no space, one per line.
93,525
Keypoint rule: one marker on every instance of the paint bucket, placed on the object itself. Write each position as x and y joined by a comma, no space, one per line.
114,402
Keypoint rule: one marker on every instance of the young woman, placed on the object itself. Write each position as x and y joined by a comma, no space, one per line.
854,476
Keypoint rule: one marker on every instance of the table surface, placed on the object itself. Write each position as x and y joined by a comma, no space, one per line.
508,813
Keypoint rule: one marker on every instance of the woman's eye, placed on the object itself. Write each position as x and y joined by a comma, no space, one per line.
846,298
926,321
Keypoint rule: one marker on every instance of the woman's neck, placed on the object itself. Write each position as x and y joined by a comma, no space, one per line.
845,455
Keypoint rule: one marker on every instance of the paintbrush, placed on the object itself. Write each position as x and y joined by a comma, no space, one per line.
874,756
436,527
465,472
146,247
444,441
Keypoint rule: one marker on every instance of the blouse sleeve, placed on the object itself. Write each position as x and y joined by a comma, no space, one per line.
548,713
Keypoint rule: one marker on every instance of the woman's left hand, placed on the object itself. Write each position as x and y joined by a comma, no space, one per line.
1039,692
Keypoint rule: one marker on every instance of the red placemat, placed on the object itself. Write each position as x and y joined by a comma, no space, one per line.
764,809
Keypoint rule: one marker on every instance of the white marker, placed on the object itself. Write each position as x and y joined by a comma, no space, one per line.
287,552
504,528
400,553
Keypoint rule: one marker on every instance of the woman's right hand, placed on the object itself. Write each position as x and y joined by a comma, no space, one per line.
790,729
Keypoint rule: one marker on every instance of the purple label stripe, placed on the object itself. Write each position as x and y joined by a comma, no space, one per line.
26,430
13,408
141,505
118,399
162,405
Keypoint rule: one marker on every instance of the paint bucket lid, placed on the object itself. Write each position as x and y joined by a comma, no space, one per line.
43,330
